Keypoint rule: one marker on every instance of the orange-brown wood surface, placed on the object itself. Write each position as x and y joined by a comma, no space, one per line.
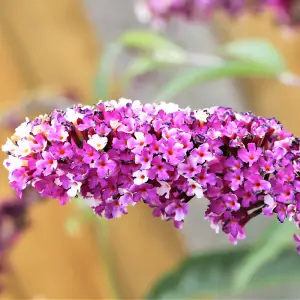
269,97
51,44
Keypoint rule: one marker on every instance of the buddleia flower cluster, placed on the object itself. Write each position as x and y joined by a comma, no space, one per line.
116,154
285,11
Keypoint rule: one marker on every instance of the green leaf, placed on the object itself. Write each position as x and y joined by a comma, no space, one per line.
270,245
160,51
204,275
210,275
140,66
102,82
143,65
258,52
148,41
195,76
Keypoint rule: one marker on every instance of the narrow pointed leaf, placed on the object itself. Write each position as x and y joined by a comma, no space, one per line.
195,76
211,275
148,40
276,239
143,65
256,51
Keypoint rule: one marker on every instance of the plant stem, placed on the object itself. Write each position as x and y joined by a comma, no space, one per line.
102,233
204,60
208,60
190,58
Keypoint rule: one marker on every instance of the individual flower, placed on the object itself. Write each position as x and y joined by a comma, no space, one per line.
145,159
256,183
140,177
205,178
172,151
251,155
139,141
97,141
231,201
194,189
105,166
202,153
47,163
59,135
159,169
24,148
235,178
189,168
115,154
179,210
164,189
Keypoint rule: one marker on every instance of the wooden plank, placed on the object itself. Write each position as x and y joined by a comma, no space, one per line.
269,97
10,86
49,263
144,248
46,262
51,44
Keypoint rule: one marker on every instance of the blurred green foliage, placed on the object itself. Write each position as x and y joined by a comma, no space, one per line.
153,52
229,272
269,262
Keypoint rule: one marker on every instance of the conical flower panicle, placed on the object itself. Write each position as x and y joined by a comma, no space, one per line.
115,154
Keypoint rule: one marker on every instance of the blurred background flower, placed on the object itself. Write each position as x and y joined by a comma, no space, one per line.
34,103
14,220
286,12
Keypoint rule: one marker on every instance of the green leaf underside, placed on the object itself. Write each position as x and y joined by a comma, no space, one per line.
194,76
256,51
148,41
211,274
272,242
142,65
161,53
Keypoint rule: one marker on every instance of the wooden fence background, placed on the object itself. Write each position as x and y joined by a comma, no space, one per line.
51,44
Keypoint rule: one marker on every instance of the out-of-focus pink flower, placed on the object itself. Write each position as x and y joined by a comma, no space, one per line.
13,222
35,103
160,11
